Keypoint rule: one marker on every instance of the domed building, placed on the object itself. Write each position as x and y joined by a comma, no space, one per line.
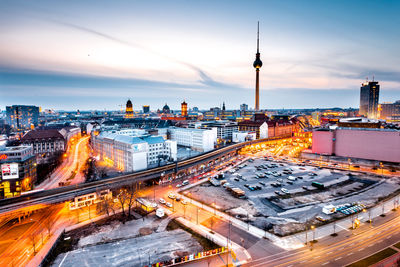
166,109
129,109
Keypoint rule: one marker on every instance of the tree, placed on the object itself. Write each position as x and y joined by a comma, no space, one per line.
132,194
122,199
105,206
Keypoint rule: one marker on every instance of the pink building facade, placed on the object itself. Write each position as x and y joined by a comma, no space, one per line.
372,144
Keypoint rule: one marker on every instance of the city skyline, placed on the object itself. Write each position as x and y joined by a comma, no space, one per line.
71,60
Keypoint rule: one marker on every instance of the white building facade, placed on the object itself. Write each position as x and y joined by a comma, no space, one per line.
133,153
197,139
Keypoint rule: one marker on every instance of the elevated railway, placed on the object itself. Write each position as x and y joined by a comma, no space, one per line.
66,193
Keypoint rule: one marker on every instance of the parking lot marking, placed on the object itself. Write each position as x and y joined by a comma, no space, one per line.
341,248
338,258
351,253
330,252
361,249
316,257
325,263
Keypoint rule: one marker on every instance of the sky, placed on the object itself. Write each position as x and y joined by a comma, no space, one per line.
95,55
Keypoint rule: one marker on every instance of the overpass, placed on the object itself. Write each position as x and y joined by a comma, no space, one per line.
169,171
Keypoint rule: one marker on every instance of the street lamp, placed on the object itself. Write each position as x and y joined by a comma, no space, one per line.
313,229
381,165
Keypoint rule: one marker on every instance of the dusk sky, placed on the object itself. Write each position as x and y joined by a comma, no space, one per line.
97,54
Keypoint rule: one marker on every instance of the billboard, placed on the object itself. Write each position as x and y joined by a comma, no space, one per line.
9,171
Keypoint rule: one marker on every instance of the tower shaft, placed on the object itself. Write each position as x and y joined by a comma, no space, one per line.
257,103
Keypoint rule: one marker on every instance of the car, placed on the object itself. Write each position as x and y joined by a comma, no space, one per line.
184,202
278,193
291,178
280,180
168,204
305,187
251,188
178,199
284,190
257,187
289,182
236,179
278,184
186,182
299,177
356,166
162,201
178,185
262,183
319,218
392,170
171,195
246,185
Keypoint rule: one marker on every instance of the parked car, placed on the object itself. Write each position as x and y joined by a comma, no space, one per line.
284,190
172,196
162,201
168,204
319,218
184,202
262,183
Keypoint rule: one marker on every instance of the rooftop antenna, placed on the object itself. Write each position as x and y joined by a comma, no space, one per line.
373,77
367,78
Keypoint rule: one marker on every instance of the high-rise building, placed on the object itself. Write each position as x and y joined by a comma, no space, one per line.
223,106
257,65
129,109
146,109
22,117
244,107
184,111
369,99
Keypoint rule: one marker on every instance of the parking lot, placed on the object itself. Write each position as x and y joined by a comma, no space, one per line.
282,196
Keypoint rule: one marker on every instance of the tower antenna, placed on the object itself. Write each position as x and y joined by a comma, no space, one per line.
258,33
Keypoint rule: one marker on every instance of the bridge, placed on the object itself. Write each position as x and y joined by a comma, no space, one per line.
169,171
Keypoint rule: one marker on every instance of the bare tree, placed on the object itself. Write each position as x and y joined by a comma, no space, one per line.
105,206
122,199
132,193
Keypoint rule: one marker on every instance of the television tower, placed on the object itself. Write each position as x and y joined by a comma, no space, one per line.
257,65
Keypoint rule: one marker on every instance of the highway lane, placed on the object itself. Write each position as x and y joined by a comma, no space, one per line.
341,250
76,157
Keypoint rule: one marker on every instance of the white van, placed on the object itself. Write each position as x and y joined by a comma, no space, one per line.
186,182
160,212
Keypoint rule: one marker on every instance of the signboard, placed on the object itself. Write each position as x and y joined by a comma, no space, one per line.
9,171
3,156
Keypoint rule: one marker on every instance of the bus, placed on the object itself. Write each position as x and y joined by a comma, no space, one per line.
318,185
90,199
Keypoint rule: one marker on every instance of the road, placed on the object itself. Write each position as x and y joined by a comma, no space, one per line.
77,155
344,249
